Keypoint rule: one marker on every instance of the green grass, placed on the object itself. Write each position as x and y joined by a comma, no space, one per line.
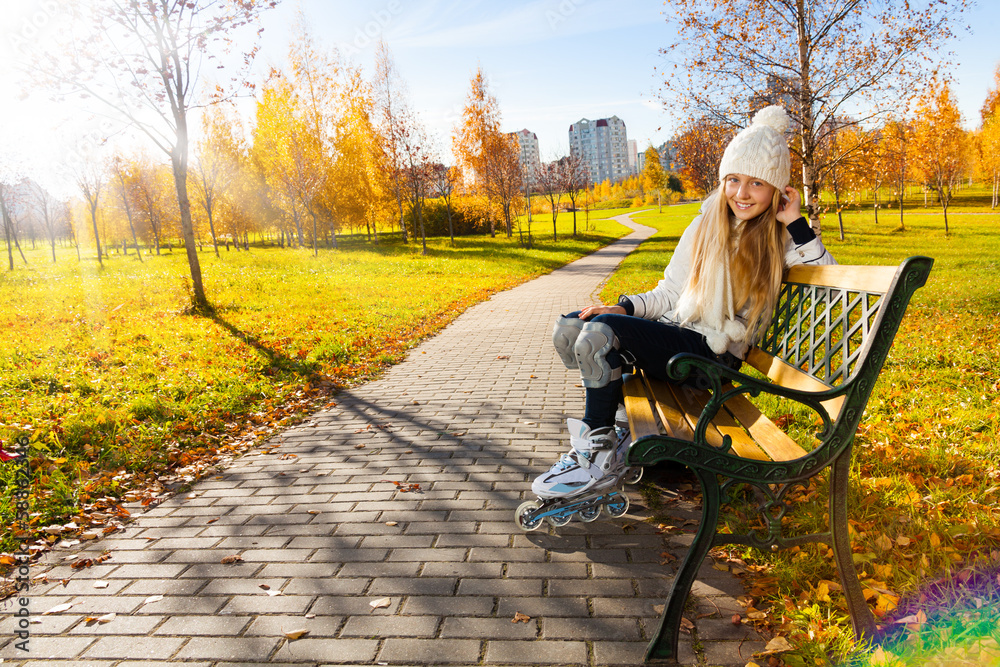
926,478
115,383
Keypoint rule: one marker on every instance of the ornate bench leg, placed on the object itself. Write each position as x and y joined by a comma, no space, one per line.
861,616
663,646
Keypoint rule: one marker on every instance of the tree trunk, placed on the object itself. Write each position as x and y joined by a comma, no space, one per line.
876,207
809,193
179,162
156,234
211,227
836,199
18,245
97,238
402,224
315,233
451,228
420,216
6,230
944,205
902,187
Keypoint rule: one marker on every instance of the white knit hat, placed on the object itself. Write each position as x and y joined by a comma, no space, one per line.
760,150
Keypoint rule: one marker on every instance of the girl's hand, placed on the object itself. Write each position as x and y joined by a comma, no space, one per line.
789,210
594,311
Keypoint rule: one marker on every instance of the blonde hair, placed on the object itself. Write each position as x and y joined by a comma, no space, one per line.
754,259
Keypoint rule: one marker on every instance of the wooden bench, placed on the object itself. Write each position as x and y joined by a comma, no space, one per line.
828,339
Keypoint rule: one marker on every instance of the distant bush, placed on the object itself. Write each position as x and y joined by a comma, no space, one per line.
612,203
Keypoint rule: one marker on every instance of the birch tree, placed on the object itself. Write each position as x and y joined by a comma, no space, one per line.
823,60
90,181
143,59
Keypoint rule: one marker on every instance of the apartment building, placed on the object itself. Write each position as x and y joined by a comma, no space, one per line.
529,157
602,146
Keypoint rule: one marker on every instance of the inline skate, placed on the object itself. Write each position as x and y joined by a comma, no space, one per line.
583,481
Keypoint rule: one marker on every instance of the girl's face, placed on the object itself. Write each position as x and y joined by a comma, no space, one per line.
747,197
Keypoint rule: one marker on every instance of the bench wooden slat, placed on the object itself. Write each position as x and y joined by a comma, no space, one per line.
641,420
790,377
670,412
743,444
690,403
851,278
768,436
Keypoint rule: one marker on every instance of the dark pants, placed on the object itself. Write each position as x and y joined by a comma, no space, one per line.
646,344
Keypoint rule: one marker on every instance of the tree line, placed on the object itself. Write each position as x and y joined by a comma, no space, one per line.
927,149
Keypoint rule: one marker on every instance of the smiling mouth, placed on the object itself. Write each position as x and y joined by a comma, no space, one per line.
743,206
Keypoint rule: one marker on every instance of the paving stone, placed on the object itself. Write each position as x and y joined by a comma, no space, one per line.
277,624
147,587
538,607
430,651
53,624
536,652
188,626
325,650
330,605
121,625
412,586
494,628
391,626
265,604
448,606
130,649
591,628
229,648
498,587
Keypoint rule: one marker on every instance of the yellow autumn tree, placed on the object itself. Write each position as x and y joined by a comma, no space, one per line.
897,136
362,176
988,144
486,156
941,146
698,148
285,143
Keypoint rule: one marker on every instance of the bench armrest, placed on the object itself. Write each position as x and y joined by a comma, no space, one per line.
725,383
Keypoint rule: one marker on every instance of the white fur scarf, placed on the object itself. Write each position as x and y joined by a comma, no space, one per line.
708,306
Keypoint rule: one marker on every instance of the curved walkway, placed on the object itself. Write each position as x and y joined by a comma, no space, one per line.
471,416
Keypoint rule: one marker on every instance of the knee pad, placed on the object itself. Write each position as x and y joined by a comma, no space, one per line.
596,339
564,335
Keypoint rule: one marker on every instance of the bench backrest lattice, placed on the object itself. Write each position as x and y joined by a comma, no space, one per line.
821,331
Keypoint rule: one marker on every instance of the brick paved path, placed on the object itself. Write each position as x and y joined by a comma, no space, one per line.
471,416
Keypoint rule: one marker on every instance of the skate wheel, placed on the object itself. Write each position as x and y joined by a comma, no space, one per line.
522,513
617,506
633,475
589,514
558,520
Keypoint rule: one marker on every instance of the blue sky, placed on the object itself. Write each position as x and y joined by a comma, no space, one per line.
550,63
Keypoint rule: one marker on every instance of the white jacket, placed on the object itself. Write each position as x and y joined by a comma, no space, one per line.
802,246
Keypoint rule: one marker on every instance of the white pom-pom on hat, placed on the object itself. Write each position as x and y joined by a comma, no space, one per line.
773,117
760,150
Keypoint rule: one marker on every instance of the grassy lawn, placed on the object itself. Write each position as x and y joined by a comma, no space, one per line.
125,396
925,521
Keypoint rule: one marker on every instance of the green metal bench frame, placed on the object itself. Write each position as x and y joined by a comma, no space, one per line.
835,324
